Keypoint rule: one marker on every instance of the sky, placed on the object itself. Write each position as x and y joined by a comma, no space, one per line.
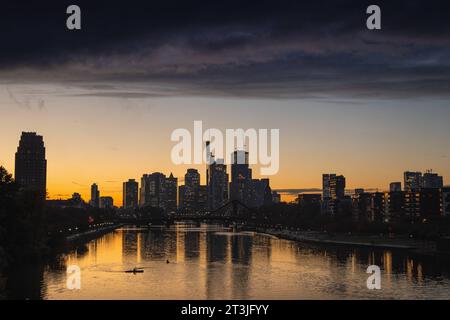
368,104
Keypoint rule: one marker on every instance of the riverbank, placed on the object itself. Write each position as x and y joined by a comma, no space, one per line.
372,241
92,234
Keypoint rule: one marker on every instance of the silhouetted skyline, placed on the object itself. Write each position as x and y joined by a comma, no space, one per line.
369,104
219,187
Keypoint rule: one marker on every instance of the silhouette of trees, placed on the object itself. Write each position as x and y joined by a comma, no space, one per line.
8,190
26,223
22,223
59,220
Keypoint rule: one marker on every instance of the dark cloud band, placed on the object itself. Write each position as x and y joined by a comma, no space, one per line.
270,49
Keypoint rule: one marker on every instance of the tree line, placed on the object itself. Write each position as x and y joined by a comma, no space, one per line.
30,230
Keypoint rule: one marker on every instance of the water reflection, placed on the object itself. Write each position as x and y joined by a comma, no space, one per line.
212,262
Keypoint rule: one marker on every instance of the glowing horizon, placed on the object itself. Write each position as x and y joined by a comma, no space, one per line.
111,140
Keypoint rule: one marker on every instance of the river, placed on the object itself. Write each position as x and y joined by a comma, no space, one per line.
211,262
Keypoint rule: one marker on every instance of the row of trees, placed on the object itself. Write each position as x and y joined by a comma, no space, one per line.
29,230
22,230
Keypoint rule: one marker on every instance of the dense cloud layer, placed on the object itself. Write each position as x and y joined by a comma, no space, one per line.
311,49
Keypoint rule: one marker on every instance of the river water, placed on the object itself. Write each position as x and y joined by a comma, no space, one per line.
211,262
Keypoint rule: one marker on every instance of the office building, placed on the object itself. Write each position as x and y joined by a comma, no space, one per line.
153,191
30,163
276,197
241,186
412,181
192,178
260,193
395,186
377,207
95,196
361,206
333,190
432,180
130,194
424,203
216,181
445,208
430,202
171,193
202,200
370,207
182,208
192,202
412,204
189,192
106,203
395,205
333,186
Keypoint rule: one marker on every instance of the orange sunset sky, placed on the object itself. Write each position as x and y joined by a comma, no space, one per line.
108,140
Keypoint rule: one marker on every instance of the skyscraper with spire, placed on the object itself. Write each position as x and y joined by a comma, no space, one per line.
171,193
241,186
216,181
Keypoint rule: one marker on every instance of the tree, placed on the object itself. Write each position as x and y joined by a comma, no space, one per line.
8,189
22,228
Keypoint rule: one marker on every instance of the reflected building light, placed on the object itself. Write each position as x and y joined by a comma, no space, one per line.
419,274
371,259
409,269
180,242
203,254
229,251
387,259
353,262
139,246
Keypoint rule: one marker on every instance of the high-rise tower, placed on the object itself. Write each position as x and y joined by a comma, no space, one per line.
31,165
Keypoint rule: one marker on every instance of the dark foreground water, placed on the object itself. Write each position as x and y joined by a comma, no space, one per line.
212,262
